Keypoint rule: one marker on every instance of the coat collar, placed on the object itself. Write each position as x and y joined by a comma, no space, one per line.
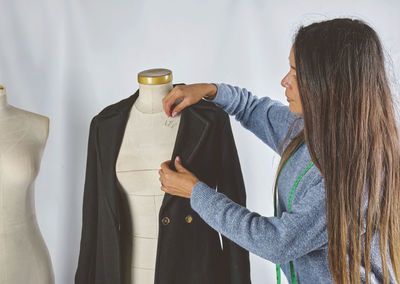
111,124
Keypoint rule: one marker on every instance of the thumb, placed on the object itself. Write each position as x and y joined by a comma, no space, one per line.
178,165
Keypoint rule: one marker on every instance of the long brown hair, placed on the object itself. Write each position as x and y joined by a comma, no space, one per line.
349,124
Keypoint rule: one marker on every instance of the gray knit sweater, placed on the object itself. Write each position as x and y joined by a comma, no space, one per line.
299,236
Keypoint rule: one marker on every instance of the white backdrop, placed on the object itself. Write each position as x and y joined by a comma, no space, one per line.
69,59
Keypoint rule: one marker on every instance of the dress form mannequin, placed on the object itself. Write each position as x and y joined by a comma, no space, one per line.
24,257
148,141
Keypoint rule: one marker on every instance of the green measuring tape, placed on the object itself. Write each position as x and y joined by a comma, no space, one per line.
278,267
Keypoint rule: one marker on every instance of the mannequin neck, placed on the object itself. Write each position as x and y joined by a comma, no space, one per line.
3,97
150,97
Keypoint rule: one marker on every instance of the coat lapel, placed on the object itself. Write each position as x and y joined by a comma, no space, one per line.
192,130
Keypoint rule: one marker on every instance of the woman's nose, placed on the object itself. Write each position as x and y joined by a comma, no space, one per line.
284,82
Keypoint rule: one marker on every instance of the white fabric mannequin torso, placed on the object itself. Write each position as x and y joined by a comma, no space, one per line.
148,141
24,257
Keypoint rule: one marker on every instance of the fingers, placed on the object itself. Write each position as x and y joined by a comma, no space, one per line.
162,178
163,188
179,107
167,176
165,167
171,97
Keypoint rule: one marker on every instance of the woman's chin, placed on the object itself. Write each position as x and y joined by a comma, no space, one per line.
294,109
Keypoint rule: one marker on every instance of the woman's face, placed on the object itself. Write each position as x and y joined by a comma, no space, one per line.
289,82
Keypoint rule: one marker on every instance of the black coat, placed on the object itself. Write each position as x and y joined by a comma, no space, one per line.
187,252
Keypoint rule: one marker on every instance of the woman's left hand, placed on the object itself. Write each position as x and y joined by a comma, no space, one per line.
178,183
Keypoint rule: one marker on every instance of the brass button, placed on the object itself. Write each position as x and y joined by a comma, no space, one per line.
188,219
165,220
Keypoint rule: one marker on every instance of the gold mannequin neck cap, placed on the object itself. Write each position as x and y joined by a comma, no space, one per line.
156,76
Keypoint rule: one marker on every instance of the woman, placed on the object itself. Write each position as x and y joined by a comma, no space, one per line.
340,211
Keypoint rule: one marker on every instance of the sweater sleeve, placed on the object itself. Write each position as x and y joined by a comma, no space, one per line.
268,119
277,239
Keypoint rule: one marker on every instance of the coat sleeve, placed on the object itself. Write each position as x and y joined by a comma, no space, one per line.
85,273
277,239
230,182
268,119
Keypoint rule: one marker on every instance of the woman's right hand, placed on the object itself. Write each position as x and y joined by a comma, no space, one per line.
189,94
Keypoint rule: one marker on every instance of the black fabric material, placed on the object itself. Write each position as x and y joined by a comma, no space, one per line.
187,253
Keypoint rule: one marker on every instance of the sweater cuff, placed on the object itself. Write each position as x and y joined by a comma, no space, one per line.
200,194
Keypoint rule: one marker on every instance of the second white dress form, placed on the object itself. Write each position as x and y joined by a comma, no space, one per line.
24,257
